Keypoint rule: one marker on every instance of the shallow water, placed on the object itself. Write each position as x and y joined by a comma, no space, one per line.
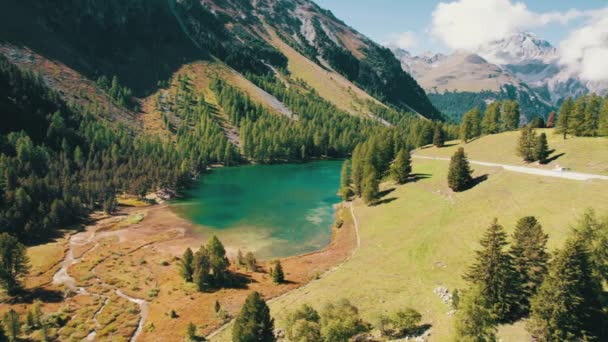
272,210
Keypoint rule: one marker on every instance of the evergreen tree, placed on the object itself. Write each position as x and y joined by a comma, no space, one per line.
191,332
254,322
278,277
593,233
493,272
470,126
563,119
186,269
217,261
14,263
510,115
541,148
526,146
370,184
240,260
491,120
250,262
201,268
438,136
11,324
459,175
530,261
603,118
577,119
345,191
474,322
401,167
567,307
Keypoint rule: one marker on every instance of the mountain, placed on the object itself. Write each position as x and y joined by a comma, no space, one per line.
98,38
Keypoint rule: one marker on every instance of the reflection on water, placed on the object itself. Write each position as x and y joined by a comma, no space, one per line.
273,210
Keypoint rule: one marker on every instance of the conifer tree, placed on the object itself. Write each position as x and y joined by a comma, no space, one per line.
345,190
370,185
217,261
541,148
459,175
577,118
567,306
401,167
491,120
474,322
186,269
510,115
526,146
240,260
493,272
191,332
593,232
11,324
603,118
470,126
254,322
530,261
201,268
438,136
14,263
278,277
563,119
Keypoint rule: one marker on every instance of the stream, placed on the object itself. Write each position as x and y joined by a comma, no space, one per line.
62,277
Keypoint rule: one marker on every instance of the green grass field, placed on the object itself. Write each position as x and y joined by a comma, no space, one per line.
588,155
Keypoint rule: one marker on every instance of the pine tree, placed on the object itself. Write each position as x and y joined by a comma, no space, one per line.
345,190
493,271
191,332
474,322
401,167
576,124
526,146
14,263
278,277
240,260
438,136
491,120
603,118
567,306
11,324
186,269
530,260
593,232
470,126
201,268
510,115
370,184
541,148
217,261
563,119
254,322
459,175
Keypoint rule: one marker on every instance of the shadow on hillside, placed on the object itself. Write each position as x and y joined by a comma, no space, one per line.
45,295
383,201
414,177
478,180
385,192
449,145
552,158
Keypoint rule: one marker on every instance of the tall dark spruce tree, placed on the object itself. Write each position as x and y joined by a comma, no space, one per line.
459,175
254,324
530,261
493,272
567,305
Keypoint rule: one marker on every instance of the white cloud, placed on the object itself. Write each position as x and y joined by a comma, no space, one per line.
404,40
466,24
585,50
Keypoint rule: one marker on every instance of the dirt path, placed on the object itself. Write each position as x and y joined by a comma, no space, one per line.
530,170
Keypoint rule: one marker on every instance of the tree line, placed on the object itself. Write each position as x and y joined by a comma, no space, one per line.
561,294
586,116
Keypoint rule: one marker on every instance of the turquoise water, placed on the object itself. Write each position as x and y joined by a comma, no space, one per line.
272,210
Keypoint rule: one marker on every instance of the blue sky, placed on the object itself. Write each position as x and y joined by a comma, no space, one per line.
385,20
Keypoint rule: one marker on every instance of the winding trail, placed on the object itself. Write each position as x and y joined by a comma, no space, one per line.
62,277
304,287
529,170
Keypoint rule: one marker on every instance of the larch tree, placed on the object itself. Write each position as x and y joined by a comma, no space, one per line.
593,232
254,322
186,269
530,261
278,276
401,167
493,272
603,118
459,175
302,324
470,125
474,321
438,136
218,261
577,118
551,120
11,324
567,305
345,180
491,120
370,184
14,263
201,267
510,115
563,118
541,148
527,144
